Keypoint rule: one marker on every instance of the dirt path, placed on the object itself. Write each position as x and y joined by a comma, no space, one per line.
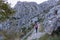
35,35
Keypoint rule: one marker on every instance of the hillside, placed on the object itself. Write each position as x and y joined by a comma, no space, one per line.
26,13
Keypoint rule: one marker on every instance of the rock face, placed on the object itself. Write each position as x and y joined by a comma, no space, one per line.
25,11
52,20
45,7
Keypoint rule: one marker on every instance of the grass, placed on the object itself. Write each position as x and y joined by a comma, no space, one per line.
29,29
47,37
41,28
44,37
27,36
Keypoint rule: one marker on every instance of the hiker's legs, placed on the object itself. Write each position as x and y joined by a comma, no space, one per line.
36,29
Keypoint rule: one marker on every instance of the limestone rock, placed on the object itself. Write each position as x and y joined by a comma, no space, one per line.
52,20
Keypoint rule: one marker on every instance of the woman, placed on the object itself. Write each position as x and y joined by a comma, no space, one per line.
36,26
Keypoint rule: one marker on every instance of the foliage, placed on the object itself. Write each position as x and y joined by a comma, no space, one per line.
5,10
8,36
47,37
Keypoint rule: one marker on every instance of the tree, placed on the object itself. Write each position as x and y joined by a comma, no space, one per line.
5,10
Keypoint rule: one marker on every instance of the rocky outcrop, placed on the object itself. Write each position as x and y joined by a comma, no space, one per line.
52,20
25,11
45,7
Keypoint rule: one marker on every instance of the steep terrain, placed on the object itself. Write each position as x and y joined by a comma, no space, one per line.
26,11
52,20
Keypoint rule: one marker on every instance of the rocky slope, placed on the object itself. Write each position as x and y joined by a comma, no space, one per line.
26,11
52,20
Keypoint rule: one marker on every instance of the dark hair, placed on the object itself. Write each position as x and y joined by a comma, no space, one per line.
35,22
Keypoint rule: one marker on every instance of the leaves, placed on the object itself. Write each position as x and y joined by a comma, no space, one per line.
6,10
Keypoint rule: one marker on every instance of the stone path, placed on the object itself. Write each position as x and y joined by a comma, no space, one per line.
35,35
